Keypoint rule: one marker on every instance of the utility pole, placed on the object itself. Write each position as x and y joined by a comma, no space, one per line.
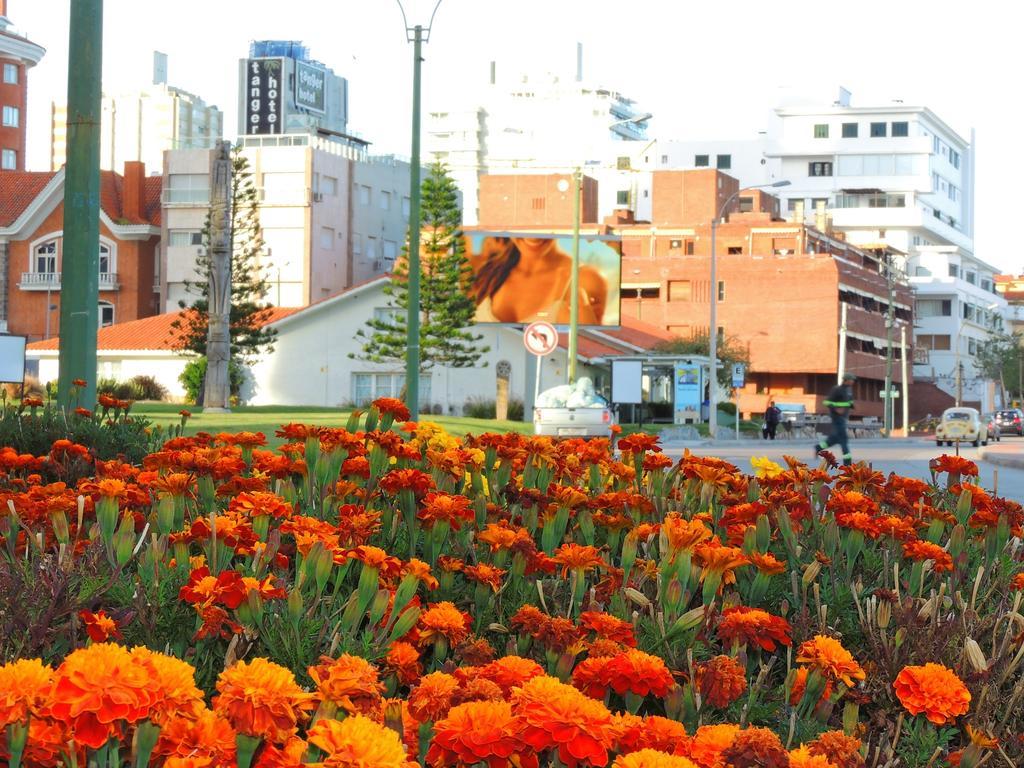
412,351
217,390
906,381
890,320
79,306
842,343
574,277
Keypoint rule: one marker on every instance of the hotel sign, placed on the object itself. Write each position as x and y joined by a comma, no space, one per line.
263,104
310,90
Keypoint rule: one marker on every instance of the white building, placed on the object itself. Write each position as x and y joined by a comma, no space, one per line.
332,215
534,123
957,310
141,125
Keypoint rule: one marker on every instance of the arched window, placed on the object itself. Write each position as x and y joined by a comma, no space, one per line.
44,261
106,314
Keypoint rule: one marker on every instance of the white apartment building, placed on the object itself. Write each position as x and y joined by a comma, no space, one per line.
332,215
141,125
957,309
535,124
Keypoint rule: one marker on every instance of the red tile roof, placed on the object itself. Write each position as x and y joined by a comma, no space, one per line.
19,188
600,342
149,333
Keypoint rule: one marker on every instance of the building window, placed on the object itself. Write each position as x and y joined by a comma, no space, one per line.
184,237
406,207
357,243
106,314
849,130
537,203
367,387
821,131
622,197
721,290
934,308
723,162
188,188
970,277
972,347
986,285
389,252
901,129
792,203
9,160
878,130
371,248
823,168
385,200
11,74
954,270
688,248
746,204
329,185
701,161
954,158
680,290
45,259
816,201
664,159
734,250
106,262
11,117
326,238
364,194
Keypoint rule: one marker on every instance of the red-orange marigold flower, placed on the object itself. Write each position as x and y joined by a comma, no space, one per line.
348,681
174,682
682,534
485,574
638,673
756,748
357,742
480,732
557,716
260,698
802,757
652,758
717,559
391,406
745,625
708,743
446,508
1017,582
924,550
403,660
511,672
207,737
954,465
432,697
443,620
827,656
721,680
577,557
204,589
97,690
934,691
842,751
767,563
610,627
24,690
99,626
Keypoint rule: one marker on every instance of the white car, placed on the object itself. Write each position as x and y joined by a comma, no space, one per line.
572,411
962,425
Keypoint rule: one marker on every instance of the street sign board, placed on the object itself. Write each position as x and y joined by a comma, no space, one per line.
893,393
739,375
627,381
540,338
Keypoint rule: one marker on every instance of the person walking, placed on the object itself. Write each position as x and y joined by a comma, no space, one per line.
839,403
772,417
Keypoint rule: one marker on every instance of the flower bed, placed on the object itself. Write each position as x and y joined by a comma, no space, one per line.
385,594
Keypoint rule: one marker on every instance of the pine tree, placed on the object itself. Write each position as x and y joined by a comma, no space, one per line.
249,284
446,308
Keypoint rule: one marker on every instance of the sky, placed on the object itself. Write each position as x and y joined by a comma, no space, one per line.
705,70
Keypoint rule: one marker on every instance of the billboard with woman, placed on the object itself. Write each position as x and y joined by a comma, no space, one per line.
522,277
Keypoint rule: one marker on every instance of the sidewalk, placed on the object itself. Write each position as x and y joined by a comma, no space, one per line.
1009,455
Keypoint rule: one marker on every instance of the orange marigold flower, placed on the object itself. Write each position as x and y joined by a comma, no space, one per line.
610,627
954,465
498,536
578,557
899,528
638,673
476,651
485,574
652,758
557,716
477,689
403,660
421,571
638,442
767,563
446,508
99,626
721,681
924,550
827,656
932,690
511,672
744,625
432,697
260,698
259,503
444,620
348,681
97,690
682,534
391,406
589,676
24,690
175,684
1017,582
204,589
207,737
406,480
480,732
804,758
652,732
717,559
357,742
756,748
842,750
709,742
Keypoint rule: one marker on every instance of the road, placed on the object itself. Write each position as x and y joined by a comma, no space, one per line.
904,456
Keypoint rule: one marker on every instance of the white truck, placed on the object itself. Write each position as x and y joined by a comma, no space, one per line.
572,410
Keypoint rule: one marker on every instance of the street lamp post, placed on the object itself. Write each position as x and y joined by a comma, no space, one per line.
713,319
574,279
417,33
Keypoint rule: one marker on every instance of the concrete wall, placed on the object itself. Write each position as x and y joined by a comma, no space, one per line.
165,367
379,215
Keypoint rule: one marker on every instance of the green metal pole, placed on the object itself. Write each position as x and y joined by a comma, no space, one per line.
574,280
79,306
412,353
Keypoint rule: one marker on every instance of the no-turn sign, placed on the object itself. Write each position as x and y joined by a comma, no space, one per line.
540,338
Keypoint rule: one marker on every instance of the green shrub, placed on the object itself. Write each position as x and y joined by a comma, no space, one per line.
148,388
122,390
194,374
481,408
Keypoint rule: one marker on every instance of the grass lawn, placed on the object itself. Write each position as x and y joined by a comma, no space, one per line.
267,419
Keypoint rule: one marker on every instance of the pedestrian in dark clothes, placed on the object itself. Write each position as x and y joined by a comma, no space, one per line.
839,403
772,417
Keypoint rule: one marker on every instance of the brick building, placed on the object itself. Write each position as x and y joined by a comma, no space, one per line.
17,54
780,284
31,249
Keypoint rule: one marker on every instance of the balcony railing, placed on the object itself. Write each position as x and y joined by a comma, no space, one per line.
43,281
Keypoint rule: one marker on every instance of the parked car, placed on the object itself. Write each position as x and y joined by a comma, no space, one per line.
1011,420
794,414
960,425
992,423
572,411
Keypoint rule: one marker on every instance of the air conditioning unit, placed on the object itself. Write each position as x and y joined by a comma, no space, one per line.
675,244
378,265
318,197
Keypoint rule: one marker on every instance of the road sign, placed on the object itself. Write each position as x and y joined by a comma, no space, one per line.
540,338
739,375
894,393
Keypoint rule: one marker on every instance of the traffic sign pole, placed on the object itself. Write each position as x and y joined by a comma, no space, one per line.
540,338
